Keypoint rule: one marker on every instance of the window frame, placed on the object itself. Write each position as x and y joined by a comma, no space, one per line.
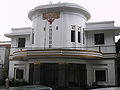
79,37
106,75
33,35
20,43
98,37
15,74
72,35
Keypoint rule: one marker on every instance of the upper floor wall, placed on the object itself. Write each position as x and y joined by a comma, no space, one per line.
20,38
52,24
101,34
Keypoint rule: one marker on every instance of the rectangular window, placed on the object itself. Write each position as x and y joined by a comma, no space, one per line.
21,42
99,38
44,28
33,38
56,27
78,36
100,75
83,37
72,36
19,74
50,42
50,46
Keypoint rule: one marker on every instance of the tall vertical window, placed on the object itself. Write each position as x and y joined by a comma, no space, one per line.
44,28
79,36
83,37
100,75
99,38
50,37
33,38
21,42
56,27
72,36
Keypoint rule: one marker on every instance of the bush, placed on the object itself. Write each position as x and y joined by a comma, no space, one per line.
4,76
14,83
2,82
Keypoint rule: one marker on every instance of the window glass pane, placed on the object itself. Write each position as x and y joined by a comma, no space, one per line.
33,38
99,38
72,36
79,36
50,46
56,27
21,42
83,37
19,74
44,28
100,75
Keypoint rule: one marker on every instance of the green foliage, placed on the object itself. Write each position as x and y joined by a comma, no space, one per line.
2,82
4,76
14,83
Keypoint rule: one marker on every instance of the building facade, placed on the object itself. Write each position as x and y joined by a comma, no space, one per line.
63,50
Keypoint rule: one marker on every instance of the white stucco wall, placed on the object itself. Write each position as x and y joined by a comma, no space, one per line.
108,65
109,42
102,24
62,36
14,43
20,65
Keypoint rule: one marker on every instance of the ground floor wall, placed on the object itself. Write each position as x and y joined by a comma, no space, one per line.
106,70
70,71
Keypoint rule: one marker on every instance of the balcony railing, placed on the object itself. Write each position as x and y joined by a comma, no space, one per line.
93,52
102,48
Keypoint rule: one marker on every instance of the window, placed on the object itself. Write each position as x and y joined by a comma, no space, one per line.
44,28
72,36
19,74
56,27
21,42
100,75
99,39
33,38
83,37
50,42
50,46
50,26
50,38
79,36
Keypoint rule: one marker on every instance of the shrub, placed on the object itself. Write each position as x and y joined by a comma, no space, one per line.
14,83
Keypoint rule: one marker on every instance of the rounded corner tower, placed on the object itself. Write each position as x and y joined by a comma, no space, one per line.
58,25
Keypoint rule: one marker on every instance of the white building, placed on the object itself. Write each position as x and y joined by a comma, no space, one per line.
62,49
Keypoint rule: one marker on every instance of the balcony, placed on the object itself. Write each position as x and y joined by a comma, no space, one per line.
55,53
91,52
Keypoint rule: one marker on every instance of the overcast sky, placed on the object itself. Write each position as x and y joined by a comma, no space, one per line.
14,13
